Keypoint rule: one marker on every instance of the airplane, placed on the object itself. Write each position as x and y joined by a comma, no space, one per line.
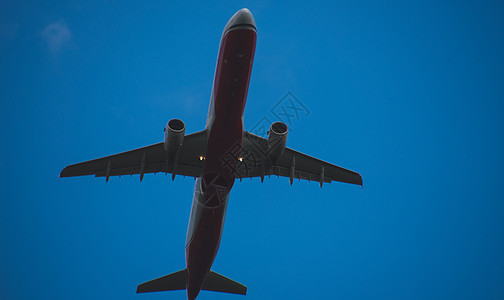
215,157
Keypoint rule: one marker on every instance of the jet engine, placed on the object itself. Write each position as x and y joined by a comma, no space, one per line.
277,139
174,136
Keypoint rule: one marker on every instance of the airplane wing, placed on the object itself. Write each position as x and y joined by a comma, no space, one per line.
150,159
291,163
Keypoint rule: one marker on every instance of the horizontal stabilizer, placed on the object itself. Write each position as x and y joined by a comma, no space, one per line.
171,282
218,283
177,281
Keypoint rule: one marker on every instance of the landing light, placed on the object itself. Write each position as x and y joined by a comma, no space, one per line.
240,158
201,158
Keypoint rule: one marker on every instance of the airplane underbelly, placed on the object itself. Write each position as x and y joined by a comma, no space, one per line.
234,65
203,237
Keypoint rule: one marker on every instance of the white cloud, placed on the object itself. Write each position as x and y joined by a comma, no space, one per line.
56,35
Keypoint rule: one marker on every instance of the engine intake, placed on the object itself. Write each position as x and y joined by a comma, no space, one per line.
174,136
277,139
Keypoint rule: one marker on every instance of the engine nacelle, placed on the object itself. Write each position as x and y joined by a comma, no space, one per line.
277,139
174,136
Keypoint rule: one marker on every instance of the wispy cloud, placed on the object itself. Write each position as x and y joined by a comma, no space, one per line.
56,35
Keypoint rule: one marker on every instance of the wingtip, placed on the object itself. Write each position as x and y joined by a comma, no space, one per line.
66,171
361,181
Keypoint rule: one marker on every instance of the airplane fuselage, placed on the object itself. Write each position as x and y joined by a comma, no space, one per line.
224,131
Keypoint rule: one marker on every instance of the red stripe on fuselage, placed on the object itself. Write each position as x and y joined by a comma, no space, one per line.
232,76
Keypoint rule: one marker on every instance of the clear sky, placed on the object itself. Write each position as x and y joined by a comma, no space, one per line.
410,94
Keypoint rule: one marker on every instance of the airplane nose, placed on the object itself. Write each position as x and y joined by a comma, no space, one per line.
242,18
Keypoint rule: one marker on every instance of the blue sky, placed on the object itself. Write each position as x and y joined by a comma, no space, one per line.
409,94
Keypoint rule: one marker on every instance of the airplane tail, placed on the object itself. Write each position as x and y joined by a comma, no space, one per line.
178,280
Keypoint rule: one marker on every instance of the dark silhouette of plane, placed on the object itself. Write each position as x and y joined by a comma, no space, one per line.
216,156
